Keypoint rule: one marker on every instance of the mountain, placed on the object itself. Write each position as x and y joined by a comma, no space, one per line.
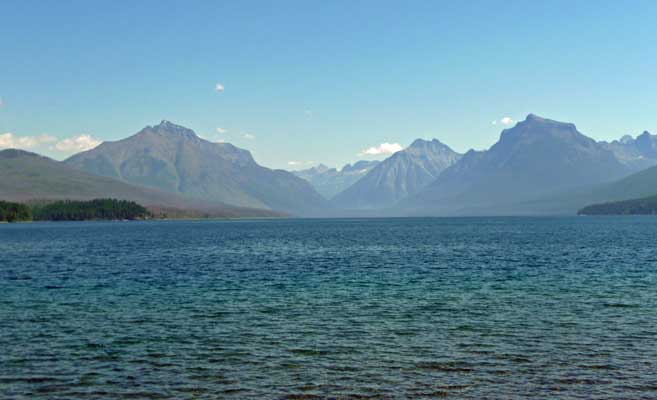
638,153
174,159
403,174
329,181
533,159
26,176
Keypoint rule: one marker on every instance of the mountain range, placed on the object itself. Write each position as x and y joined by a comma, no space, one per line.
535,158
537,167
638,153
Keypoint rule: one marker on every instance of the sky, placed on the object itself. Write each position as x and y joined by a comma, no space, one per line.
303,82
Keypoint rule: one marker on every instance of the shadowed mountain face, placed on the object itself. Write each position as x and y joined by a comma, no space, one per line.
636,153
172,158
329,181
403,174
26,176
536,157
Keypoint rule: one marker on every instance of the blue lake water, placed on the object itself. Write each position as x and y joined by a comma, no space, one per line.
302,309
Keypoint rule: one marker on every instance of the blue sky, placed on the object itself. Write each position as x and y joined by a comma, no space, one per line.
321,81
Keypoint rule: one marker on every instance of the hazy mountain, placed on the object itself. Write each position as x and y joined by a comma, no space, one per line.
636,186
329,181
639,153
403,174
26,176
534,158
172,158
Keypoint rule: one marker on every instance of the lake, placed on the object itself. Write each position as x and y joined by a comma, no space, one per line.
319,309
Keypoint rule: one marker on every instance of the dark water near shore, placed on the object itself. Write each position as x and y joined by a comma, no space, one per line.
303,309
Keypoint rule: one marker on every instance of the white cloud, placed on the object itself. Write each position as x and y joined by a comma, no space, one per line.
77,143
221,131
2,103
293,163
383,148
219,87
9,140
506,121
248,136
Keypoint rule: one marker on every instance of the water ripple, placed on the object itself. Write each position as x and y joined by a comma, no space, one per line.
466,308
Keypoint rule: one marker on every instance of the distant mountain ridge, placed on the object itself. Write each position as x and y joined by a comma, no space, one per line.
329,181
638,153
536,157
402,174
174,159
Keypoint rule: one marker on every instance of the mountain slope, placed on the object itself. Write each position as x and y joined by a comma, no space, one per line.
535,158
329,181
28,176
172,158
400,175
639,185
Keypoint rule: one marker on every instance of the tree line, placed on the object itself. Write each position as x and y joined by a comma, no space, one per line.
70,210
642,206
14,212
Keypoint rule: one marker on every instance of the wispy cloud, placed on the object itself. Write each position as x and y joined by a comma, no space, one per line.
2,103
506,121
383,148
77,143
221,131
10,141
219,87
248,136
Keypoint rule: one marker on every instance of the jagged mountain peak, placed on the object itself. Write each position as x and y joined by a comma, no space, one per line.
536,131
422,143
536,124
626,139
169,128
360,166
321,168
